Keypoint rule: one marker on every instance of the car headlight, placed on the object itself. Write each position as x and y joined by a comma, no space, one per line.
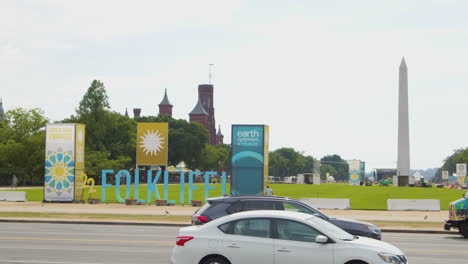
390,258
374,229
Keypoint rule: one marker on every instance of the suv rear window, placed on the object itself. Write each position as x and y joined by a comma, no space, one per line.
215,210
234,208
258,205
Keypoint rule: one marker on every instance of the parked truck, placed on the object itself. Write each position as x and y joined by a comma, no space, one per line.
458,216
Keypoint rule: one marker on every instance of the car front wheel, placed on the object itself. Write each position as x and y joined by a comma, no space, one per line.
463,229
215,260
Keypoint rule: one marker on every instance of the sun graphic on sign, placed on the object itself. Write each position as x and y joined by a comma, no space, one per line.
59,171
354,175
152,142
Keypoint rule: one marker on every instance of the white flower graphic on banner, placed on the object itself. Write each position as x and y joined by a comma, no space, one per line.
151,142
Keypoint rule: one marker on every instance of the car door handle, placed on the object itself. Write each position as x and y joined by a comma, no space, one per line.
283,250
233,246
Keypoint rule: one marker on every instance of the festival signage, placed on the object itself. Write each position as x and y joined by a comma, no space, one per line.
64,158
461,172
152,144
445,175
79,161
249,159
461,169
363,171
354,172
153,179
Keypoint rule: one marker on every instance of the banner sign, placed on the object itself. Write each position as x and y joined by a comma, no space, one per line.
445,175
461,169
266,147
249,159
363,171
79,160
354,172
152,144
60,160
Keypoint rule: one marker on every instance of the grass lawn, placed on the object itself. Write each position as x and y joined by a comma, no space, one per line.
362,197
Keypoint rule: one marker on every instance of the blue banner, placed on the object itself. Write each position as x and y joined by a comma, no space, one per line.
247,159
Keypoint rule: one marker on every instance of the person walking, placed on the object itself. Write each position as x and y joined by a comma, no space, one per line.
268,191
14,182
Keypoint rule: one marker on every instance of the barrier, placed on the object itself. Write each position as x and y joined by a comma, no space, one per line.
327,203
12,196
413,205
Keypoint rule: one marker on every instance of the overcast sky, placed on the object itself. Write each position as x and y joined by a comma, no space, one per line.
322,74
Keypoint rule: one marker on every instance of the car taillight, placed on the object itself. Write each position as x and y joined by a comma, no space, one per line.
181,240
202,219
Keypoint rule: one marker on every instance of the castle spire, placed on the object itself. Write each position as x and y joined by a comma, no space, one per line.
2,112
198,109
219,132
165,100
165,107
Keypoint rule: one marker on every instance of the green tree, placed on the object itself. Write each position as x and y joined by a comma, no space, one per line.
450,163
92,111
340,165
95,101
326,168
25,123
22,146
214,158
288,162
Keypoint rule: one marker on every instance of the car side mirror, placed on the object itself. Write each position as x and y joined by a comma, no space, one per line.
321,239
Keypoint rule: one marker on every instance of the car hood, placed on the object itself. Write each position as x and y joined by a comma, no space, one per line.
376,245
333,220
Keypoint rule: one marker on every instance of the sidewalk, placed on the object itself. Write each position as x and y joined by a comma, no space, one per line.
402,219
114,208
110,208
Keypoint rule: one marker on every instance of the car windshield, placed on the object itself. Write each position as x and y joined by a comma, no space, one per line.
330,229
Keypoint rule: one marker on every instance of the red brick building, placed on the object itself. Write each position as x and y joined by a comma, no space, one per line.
202,113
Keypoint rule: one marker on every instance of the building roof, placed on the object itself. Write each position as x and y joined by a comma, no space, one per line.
165,100
2,112
219,132
198,110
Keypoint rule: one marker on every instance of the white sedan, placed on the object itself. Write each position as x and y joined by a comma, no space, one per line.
278,237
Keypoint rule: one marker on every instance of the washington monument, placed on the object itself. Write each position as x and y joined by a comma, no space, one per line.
403,164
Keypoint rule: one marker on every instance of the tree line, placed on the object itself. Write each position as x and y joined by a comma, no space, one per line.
111,144
450,163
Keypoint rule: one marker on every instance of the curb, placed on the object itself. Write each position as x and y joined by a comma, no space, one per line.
89,222
409,231
184,225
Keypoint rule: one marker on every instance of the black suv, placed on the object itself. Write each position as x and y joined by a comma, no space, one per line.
221,206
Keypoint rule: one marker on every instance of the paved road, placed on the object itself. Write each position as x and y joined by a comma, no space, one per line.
92,244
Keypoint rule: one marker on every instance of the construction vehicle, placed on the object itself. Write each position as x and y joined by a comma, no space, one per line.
458,216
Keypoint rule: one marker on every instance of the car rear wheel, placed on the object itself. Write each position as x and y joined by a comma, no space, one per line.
215,260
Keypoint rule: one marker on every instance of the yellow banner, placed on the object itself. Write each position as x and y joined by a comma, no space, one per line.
152,143
80,131
80,147
266,147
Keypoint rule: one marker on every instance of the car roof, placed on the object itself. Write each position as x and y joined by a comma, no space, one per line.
262,214
232,198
